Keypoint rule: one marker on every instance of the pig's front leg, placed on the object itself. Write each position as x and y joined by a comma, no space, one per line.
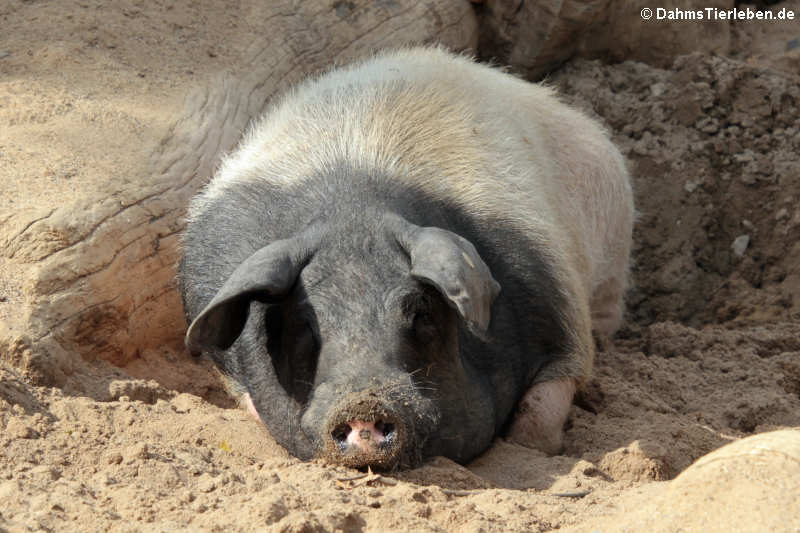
541,413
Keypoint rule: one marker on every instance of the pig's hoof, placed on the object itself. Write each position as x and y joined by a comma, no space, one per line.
541,414
525,432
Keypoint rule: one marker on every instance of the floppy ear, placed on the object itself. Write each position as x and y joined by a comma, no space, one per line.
267,275
452,265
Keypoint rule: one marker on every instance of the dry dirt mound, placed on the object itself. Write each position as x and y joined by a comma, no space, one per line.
713,145
141,437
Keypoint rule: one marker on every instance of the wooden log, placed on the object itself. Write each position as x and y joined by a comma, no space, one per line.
100,276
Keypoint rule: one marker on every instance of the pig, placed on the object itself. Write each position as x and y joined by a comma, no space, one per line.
407,257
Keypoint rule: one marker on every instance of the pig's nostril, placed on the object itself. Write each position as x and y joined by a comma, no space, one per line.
386,428
340,434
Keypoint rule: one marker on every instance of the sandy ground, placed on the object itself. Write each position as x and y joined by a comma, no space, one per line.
710,352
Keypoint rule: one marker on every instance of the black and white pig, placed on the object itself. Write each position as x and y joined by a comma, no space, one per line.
406,257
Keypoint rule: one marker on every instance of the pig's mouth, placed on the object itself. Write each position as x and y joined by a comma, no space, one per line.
384,432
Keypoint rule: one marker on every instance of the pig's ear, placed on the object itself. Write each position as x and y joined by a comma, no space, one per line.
267,275
452,265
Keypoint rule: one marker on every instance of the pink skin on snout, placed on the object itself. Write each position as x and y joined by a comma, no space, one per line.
364,435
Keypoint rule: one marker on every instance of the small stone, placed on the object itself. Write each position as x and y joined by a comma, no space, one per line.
184,403
697,147
782,214
114,458
740,244
586,468
657,89
136,452
16,428
649,449
126,390
748,179
712,126
103,479
9,489
206,483
49,472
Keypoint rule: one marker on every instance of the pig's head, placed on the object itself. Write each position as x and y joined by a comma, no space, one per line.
347,341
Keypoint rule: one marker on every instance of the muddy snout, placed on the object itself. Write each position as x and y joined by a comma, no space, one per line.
365,430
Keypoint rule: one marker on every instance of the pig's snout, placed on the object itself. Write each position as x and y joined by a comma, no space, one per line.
359,435
367,432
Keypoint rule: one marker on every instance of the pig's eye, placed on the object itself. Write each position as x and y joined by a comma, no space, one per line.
421,311
424,326
306,342
294,349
